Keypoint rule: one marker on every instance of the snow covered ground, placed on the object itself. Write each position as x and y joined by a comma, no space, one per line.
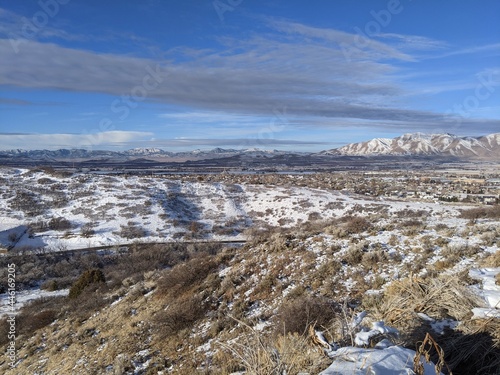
489,290
392,360
25,296
160,209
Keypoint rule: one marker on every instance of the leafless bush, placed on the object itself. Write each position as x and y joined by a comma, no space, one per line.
492,212
314,216
28,202
462,249
405,213
181,313
132,230
354,254
357,224
186,275
373,259
88,229
59,223
295,316
38,314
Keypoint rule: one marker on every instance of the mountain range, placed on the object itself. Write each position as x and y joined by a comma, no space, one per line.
412,144
425,144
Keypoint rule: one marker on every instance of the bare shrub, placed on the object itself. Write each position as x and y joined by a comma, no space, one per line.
337,231
186,275
457,250
357,224
441,241
492,212
88,229
354,255
50,285
411,213
132,230
90,300
441,227
372,259
295,316
314,216
38,314
180,314
59,223
491,238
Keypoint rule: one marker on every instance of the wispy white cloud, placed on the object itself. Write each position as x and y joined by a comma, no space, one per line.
15,26
414,42
57,141
361,44
491,49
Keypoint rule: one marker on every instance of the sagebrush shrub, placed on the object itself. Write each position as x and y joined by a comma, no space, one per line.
87,278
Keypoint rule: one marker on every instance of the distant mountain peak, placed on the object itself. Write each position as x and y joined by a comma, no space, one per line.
440,144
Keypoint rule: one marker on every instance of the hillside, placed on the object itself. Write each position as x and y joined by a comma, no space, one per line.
85,210
327,280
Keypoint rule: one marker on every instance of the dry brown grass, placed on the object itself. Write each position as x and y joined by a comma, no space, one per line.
472,348
492,260
438,297
258,355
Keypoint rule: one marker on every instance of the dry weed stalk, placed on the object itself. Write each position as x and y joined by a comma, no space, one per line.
425,350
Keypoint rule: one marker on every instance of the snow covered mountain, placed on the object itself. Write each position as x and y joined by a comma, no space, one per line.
425,144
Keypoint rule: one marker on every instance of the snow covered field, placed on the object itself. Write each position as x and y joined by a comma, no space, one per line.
110,210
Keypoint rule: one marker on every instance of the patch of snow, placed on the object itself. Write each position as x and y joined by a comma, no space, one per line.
26,296
490,291
393,360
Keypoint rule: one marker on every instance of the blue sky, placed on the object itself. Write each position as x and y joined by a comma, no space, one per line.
290,75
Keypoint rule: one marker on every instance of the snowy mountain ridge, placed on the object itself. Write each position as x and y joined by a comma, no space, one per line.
425,144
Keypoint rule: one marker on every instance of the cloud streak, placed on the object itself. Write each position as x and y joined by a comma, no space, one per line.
58,141
295,66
